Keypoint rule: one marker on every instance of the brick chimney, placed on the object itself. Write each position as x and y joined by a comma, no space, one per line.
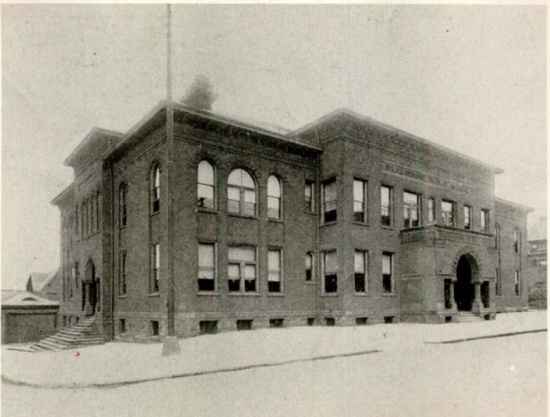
199,94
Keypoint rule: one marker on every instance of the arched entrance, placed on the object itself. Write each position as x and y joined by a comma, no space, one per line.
90,290
466,273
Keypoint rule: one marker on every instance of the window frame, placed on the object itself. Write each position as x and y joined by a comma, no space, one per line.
363,201
517,240
242,195
498,283
154,283
212,268
365,255
468,209
122,274
201,183
309,277
155,188
485,221
278,199
417,208
274,289
391,291
242,264
431,211
327,216
309,200
325,253
386,220
445,218
122,205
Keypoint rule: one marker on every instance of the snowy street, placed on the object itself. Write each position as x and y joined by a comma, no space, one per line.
504,376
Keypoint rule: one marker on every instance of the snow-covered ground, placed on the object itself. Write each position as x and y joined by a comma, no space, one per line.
495,377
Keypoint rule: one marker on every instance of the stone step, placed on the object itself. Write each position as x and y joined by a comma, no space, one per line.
82,334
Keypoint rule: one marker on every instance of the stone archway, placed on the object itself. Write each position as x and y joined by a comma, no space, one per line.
89,291
464,292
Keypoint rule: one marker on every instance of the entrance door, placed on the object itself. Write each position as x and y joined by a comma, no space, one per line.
464,289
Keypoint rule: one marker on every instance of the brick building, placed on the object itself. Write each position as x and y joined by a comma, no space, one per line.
345,221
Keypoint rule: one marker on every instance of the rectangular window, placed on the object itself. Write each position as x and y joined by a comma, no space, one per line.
274,271
387,272
386,198
206,267
122,326
517,283
311,321
330,321
276,323
411,210
448,213
485,220
330,268
244,324
329,201
122,274
447,293
155,328
241,271
431,210
77,220
208,327
155,268
361,321
516,240
309,266
309,196
467,217
361,268
360,201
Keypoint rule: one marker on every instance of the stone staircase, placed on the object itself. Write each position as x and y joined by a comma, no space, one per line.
467,316
84,333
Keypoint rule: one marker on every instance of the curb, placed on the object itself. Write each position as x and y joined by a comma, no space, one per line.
471,339
117,384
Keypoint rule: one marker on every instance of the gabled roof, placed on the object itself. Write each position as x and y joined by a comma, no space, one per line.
38,280
25,298
345,112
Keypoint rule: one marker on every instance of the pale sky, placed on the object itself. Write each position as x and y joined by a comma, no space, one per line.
472,78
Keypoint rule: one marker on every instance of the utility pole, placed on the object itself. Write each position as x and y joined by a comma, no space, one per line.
171,345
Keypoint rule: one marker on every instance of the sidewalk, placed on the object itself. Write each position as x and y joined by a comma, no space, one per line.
115,364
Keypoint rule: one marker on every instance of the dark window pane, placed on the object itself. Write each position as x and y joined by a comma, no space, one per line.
250,285
274,286
387,284
233,284
359,282
331,283
206,285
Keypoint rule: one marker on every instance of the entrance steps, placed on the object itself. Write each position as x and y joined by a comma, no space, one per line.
467,316
84,333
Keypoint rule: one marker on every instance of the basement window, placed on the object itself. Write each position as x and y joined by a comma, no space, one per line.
388,319
244,324
208,327
330,321
122,326
361,321
311,321
276,323
155,328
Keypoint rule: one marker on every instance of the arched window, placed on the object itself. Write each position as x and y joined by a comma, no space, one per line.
273,197
309,266
206,186
241,193
517,240
123,191
155,189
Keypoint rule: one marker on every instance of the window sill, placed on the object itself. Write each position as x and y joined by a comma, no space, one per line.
275,294
244,294
330,294
310,212
154,214
361,294
275,220
389,294
361,224
387,227
310,282
121,228
242,216
122,296
155,294
329,223
207,293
